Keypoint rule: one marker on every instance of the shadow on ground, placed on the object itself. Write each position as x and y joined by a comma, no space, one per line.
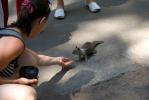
55,90
60,31
109,62
129,86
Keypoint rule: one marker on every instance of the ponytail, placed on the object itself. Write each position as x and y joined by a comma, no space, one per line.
30,11
24,21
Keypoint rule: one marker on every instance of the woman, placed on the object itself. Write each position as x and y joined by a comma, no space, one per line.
14,54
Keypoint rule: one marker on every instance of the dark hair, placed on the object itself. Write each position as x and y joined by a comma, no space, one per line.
25,17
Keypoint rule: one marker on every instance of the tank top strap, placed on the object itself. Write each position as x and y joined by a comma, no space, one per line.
11,32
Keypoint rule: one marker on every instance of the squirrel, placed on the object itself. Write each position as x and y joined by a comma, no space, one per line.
86,50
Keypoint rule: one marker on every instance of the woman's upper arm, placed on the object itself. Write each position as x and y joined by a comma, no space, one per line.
10,48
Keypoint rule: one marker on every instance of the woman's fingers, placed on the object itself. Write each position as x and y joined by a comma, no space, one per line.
33,81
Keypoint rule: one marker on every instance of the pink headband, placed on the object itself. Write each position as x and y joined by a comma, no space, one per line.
28,5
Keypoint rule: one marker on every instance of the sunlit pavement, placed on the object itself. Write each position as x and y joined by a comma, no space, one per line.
123,25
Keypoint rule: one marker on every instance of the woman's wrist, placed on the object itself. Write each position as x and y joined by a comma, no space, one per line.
56,60
15,81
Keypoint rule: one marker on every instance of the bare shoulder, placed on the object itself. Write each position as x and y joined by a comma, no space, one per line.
10,48
11,42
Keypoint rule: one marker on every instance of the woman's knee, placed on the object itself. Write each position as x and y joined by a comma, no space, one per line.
30,93
17,92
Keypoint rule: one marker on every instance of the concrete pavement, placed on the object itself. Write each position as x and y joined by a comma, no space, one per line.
121,24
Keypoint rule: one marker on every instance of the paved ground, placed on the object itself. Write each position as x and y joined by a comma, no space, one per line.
132,85
123,26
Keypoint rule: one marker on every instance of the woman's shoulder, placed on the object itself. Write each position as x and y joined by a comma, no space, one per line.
11,36
11,32
11,39
10,48
10,43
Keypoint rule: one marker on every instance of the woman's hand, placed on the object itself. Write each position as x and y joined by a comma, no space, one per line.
64,62
25,81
